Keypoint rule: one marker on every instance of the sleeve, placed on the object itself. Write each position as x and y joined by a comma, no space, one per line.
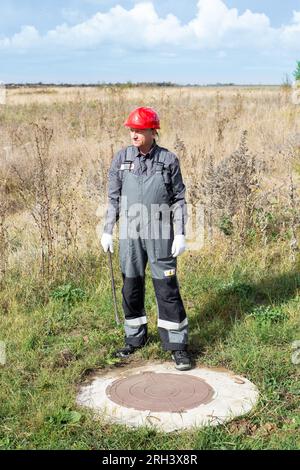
114,194
179,206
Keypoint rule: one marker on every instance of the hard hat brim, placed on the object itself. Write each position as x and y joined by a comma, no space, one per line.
136,126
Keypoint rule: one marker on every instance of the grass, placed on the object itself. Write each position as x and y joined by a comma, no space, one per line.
241,291
243,316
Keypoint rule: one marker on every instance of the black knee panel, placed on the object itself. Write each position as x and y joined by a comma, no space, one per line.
133,293
169,300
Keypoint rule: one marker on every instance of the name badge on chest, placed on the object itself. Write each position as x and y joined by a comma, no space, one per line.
127,166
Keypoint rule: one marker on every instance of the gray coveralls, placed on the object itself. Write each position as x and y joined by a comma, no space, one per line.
147,234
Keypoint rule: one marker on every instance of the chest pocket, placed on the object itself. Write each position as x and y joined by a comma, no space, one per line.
128,165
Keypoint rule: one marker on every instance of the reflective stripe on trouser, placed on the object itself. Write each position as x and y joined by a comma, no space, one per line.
134,253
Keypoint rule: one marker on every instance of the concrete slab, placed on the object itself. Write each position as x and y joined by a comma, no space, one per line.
231,396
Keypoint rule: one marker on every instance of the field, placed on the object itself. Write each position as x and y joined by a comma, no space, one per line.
239,149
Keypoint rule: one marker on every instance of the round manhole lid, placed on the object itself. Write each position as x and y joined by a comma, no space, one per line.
160,392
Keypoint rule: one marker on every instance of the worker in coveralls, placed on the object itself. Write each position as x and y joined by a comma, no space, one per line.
147,195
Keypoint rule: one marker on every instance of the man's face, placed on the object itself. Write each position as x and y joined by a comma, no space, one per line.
141,137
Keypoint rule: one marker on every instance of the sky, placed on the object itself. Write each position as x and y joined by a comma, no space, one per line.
185,42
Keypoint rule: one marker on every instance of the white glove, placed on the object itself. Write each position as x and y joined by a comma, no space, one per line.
107,242
178,246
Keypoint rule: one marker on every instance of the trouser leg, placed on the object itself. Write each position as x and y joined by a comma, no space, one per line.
172,319
133,260
133,295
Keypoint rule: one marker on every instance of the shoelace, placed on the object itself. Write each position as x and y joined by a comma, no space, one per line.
182,353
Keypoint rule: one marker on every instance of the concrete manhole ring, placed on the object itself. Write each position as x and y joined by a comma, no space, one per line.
160,396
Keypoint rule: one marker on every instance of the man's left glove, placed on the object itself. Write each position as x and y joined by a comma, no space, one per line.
178,246
107,242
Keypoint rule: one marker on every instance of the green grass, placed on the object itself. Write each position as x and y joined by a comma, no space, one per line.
244,315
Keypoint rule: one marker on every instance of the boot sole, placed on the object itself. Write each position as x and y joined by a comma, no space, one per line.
183,367
124,355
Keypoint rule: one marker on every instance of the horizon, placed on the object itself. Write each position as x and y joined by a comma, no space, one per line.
132,84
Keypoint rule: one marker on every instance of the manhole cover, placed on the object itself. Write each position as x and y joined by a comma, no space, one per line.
160,392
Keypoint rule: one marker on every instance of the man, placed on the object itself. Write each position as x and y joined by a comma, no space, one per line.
147,195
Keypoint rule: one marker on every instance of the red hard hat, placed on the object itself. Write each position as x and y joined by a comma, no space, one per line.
143,118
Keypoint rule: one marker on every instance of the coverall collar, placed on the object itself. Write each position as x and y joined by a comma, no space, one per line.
136,151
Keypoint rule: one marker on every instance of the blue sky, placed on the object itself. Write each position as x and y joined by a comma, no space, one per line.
191,41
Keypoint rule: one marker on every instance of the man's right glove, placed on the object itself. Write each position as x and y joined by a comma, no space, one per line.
107,242
178,246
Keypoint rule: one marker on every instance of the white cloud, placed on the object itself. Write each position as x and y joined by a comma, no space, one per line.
290,34
135,28
25,39
215,27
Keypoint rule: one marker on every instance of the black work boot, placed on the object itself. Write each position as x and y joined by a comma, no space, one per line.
182,360
126,351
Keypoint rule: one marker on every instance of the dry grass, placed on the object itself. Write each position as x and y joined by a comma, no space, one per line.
239,150
240,156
